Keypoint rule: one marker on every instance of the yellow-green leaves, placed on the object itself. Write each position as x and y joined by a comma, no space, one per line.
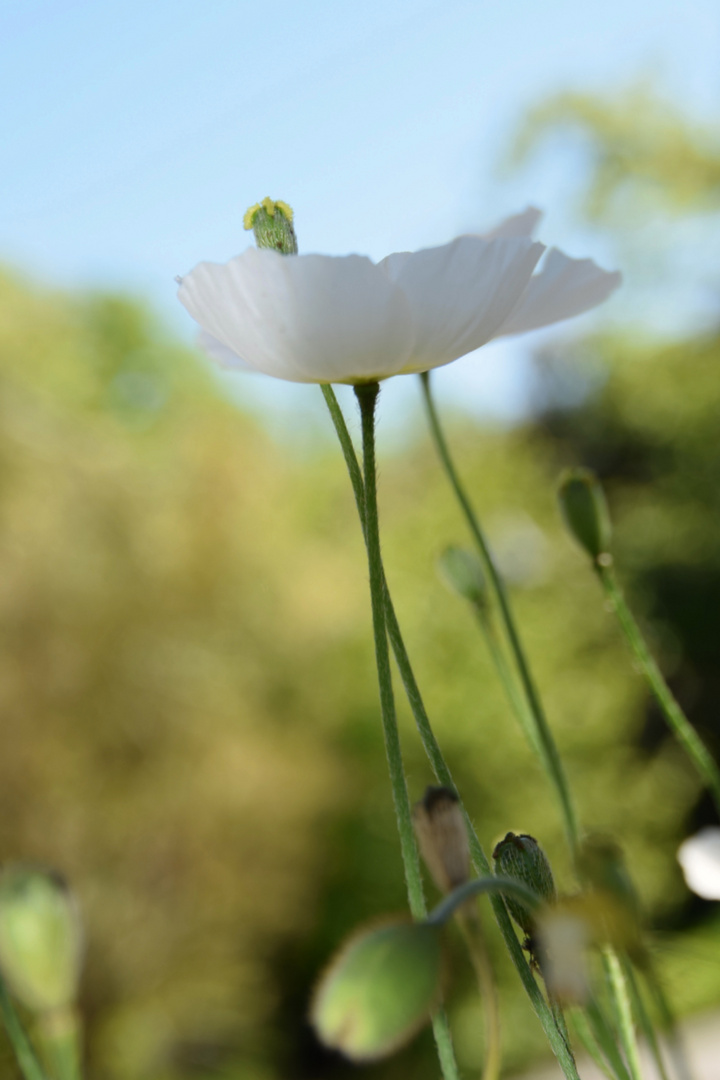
40,938
379,989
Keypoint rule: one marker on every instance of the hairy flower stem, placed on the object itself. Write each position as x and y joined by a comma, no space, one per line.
24,1053
558,1042
549,755
679,724
367,399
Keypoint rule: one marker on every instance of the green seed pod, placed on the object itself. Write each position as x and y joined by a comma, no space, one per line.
585,512
272,223
379,989
461,571
40,938
522,858
442,837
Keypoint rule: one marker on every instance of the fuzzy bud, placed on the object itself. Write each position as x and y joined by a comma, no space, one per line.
461,571
40,938
379,989
272,223
521,857
585,512
442,837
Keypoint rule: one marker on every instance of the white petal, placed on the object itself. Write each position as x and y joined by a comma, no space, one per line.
523,224
563,288
460,293
310,318
220,353
699,857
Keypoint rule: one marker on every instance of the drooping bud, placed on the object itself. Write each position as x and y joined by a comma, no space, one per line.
562,938
272,223
611,899
521,857
40,938
442,837
461,571
585,512
379,989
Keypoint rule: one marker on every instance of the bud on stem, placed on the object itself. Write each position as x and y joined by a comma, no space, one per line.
585,512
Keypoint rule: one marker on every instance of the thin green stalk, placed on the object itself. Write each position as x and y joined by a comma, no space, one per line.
679,724
668,1024
623,1011
643,1018
606,1039
587,1038
471,929
548,750
24,1053
367,398
559,1044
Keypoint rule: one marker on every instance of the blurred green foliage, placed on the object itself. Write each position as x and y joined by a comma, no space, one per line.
188,708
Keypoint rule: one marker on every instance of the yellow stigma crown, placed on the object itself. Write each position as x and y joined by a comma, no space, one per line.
270,206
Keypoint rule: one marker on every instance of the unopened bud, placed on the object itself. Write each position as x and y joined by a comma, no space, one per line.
585,512
461,571
521,857
442,837
40,938
379,989
563,936
272,223
612,901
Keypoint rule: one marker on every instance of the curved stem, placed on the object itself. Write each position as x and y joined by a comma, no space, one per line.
558,1043
679,724
492,883
24,1053
548,750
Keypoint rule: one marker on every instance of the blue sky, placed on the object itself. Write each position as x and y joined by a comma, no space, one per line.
136,134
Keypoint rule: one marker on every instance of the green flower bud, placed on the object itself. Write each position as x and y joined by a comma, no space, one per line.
585,512
522,858
272,223
379,989
611,894
461,571
442,837
40,938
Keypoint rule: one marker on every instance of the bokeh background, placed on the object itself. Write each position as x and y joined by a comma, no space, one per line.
188,709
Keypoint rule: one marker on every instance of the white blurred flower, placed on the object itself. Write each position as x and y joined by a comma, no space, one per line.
564,936
322,318
699,857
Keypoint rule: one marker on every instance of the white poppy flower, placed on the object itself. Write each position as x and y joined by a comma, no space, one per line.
699,857
322,318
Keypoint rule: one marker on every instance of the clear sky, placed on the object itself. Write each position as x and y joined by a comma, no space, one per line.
135,134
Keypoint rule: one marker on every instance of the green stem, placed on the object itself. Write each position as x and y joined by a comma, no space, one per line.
367,399
605,1039
24,1053
558,1042
548,750
643,1018
680,725
477,887
589,1041
471,929
623,1011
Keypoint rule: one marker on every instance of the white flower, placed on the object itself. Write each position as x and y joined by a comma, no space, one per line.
321,318
699,857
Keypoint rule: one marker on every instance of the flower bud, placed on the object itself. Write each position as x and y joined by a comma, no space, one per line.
40,938
563,936
522,858
585,512
612,902
272,223
379,989
442,837
461,571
